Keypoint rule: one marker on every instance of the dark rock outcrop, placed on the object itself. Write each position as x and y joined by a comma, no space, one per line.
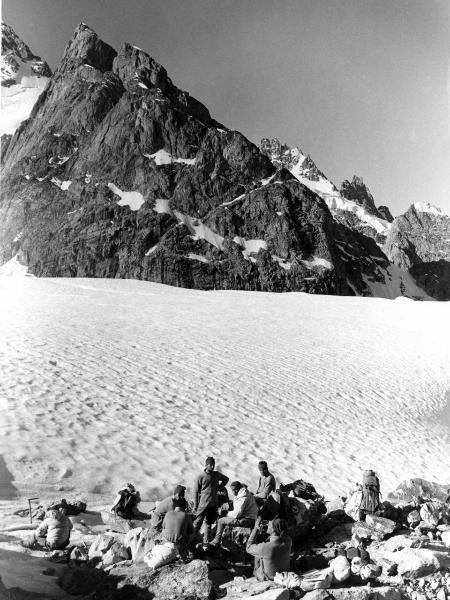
385,213
357,191
419,240
14,53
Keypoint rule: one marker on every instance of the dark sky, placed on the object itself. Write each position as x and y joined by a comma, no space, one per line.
361,85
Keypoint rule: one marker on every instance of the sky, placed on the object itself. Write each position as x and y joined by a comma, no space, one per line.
363,86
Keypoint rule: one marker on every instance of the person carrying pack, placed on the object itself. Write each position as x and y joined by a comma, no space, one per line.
370,502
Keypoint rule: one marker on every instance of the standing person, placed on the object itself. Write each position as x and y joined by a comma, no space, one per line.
205,497
244,513
165,506
266,483
272,556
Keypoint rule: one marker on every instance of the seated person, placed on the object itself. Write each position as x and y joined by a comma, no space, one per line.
126,501
272,556
166,505
177,526
243,514
54,532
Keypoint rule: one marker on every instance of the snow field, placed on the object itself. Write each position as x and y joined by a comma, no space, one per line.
108,381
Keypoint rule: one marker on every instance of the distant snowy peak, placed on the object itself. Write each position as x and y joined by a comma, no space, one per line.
17,60
23,77
353,205
426,207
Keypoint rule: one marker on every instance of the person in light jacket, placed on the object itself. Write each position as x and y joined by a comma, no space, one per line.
244,513
55,529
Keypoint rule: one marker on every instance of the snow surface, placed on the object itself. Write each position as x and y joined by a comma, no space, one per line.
13,268
162,157
426,207
18,100
132,199
63,185
124,380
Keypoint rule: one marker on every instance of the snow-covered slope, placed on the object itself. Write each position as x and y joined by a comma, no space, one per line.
106,381
23,77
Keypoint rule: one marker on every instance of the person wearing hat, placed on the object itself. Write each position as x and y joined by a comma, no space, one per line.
244,513
205,497
266,483
126,501
166,505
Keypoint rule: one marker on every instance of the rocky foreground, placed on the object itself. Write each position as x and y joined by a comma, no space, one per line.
408,543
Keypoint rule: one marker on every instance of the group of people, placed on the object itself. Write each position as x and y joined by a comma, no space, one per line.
176,527
175,524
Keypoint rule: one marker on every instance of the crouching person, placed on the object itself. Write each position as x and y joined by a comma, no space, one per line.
243,514
177,533
53,533
126,501
272,556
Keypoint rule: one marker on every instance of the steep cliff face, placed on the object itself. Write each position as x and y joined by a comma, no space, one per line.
118,173
23,77
419,240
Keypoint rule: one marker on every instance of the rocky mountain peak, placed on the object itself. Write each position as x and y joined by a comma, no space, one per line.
18,60
87,48
357,191
385,213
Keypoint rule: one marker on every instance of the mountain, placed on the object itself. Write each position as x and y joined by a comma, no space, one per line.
119,173
419,241
353,205
23,77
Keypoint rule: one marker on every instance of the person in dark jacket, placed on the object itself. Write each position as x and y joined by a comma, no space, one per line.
205,497
177,526
166,505
272,556
266,483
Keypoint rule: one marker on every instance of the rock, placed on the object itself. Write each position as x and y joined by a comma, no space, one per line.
248,587
445,537
274,594
441,595
389,567
234,539
356,593
380,524
171,581
115,554
102,544
139,542
414,563
431,512
357,191
367,532
413,518
340,534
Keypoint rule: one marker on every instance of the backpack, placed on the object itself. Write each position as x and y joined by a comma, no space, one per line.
370,493
305,490
126,503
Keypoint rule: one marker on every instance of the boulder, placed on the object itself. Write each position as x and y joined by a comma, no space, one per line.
445,537
341,533
115,554
367,532
240,587
356,593
432,512
279,593
171,581
100,546
419,562
235,539
139,542
380,524
413,518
